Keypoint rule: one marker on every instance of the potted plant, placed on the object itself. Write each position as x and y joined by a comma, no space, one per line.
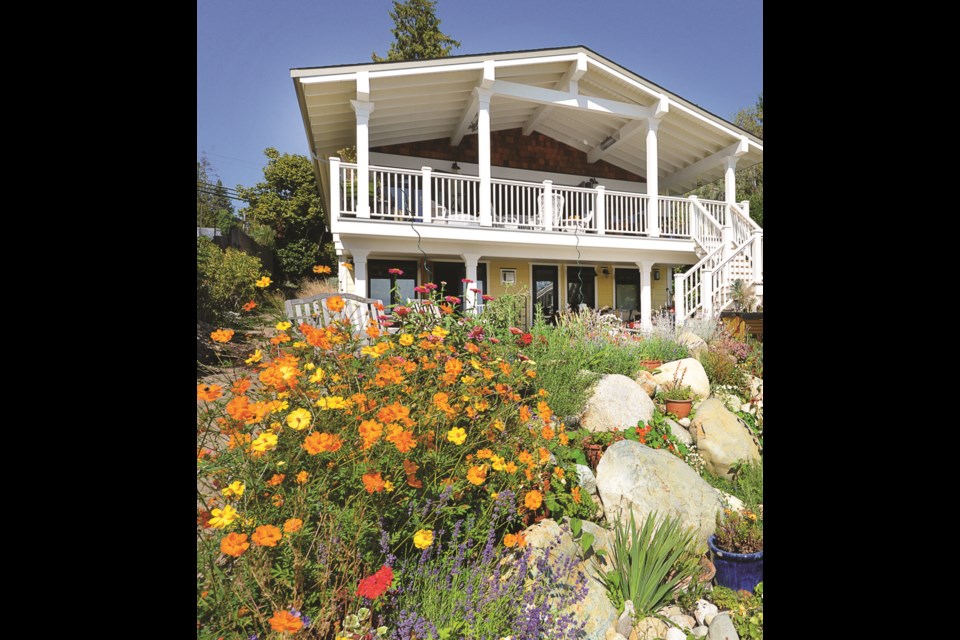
677,396
737,548
655,351
594,444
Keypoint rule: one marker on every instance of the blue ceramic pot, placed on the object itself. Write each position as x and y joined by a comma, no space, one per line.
737,570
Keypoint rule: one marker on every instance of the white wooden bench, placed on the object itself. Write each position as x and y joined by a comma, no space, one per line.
313,311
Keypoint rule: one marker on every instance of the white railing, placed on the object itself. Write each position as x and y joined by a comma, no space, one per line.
427,196
514,204
674,217
743,225
737,266
626,213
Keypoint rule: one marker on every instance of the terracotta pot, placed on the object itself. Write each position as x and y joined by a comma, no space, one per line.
680,408
650,365
593,453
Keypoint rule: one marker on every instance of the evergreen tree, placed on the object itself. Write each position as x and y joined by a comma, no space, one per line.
417,33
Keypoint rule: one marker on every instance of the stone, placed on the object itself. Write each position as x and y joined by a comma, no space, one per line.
721,628
702,609
586,479
670,610
721,439
730,400
595,608
613,635
694,343
694,375
684,422
649,629
675,634
625,623
733,502
634,477
646,380
684,621
756,387
616,402
700,631
679,432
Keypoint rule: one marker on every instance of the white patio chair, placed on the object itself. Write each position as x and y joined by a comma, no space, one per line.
557,209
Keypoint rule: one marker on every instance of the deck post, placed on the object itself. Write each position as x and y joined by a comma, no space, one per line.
470,261
646,297
426,201
362,186
547,220
483,159
360,272
679,293
334,193
600,210
653,179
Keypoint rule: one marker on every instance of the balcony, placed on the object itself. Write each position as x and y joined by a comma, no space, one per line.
431,197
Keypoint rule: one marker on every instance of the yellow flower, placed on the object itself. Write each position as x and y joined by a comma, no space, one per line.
388,486
223,517
302,477
457,435
283,326
346,265
370,351
317,377
468,379
498,463
264,442
309,366
423,538
331,402
439,332
406,339
264,282
298,420
256,357
299,345
234,489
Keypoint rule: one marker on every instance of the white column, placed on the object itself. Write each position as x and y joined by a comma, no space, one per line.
334,193
600,211
469,298
360,273
363,111
653,179
679,310
547,220
646,297
425,201
730,180
342,271
483,159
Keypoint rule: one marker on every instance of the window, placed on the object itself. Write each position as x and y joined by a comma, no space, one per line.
581,287
627,283
389,287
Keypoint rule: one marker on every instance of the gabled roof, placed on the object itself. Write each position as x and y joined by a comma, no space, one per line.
571,94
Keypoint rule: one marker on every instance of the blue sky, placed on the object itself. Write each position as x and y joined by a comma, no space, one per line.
708,51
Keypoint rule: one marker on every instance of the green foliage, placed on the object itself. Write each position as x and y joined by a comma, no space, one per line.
214,207
663,349
296,260
505,311
743,296
754,422
746,609
748,480
675,389
263,235
739,531
225,282
417,32
648,563
722,369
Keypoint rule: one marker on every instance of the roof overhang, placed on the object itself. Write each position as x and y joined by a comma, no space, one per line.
571,94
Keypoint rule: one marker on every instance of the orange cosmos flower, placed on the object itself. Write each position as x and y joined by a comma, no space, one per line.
250,306
558,472
319,442
477,475
239,408
564,439
544,455
544,410
222,335
238,440
276,479
267,535
370,431
410,468
209,392
240,387
510,467
395,412
403,440
373,482
234,544
446,309
525,414
483,454
510,540
335,304
521,540
321,269
472,348
533,500
525,458
292,525
302,477
285,621
575,494
547,432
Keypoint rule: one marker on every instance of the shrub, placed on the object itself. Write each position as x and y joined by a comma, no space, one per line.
312,286
225,282
720,365
296,260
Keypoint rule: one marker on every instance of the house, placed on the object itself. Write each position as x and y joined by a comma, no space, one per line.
554,170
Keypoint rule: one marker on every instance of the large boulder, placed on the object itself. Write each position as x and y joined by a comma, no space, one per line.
721,438
595,608
694,343
679,432
616,402
634,477
693,374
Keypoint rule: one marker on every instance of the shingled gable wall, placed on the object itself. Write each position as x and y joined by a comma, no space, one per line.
514,150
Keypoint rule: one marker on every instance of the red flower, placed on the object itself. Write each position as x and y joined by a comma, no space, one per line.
431,286
515,331
524,340
466,280
374,586
486,297
452,299
395,272
401,310
420,289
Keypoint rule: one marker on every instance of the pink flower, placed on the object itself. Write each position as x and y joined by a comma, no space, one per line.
516,331
474,290
395,272
401,310
466,280
431,286
495,340
486,297
420,289
452,299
